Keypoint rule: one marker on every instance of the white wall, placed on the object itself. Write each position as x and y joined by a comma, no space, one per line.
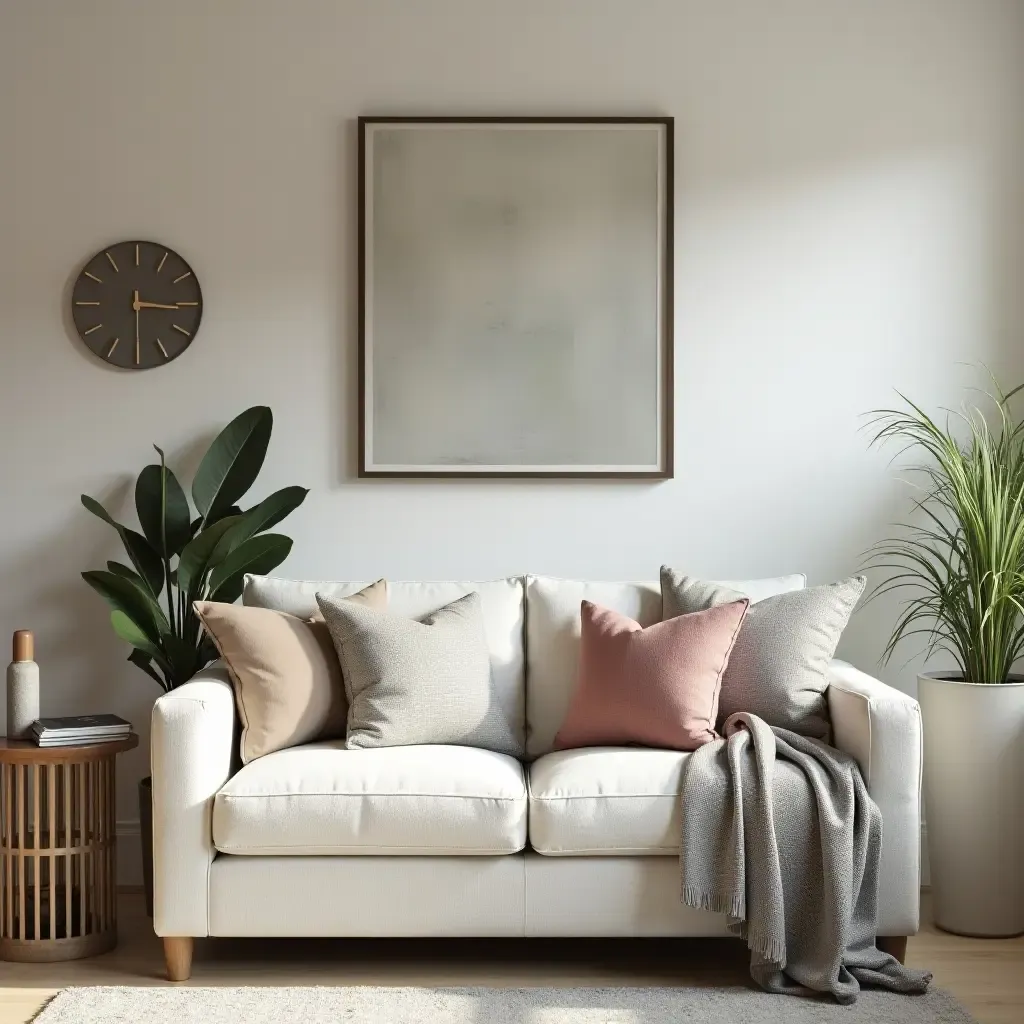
850,218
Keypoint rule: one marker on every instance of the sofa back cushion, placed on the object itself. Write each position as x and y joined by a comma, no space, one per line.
501,603
553,638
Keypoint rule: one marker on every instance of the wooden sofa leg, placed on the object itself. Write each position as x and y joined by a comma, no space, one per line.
178,955
894,945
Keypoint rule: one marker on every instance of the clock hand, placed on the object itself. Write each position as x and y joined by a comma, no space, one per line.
138,304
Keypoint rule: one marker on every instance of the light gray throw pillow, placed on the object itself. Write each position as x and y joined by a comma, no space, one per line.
778,669
426,681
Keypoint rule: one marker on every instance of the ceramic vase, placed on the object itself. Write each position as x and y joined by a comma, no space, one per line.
22,687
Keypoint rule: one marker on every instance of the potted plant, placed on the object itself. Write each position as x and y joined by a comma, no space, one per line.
178,559
961,572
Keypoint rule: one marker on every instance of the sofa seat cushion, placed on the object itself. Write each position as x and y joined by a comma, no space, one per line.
604,801
321,799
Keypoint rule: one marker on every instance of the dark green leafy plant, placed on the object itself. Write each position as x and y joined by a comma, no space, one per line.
178,559
962,571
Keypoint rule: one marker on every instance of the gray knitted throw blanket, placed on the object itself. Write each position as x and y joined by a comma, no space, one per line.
780,835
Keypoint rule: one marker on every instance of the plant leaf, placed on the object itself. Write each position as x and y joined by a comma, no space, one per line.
231,589
197,524
183,659
270,511
145,559
162,509
98,510
261,517
130,631
119,569
136,603
196,556
142,660
232,462
233,510
259,554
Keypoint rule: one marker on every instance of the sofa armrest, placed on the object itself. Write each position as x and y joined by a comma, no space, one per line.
880,727
192,755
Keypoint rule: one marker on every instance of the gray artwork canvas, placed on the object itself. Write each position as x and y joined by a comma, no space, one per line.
513,298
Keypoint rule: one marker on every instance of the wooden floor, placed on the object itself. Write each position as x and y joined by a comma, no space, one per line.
986,975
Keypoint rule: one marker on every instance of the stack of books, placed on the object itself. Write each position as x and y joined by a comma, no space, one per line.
79,730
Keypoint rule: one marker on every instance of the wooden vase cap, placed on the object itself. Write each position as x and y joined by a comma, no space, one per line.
24,645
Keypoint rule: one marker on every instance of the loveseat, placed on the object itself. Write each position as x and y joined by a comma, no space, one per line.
318,840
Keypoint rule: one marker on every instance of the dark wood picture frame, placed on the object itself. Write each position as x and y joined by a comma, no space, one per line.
665,470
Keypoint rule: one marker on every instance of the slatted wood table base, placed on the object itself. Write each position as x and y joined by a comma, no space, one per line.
58,853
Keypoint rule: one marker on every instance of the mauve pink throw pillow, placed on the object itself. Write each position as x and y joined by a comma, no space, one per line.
657,687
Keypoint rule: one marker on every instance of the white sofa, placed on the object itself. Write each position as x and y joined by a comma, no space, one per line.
453,841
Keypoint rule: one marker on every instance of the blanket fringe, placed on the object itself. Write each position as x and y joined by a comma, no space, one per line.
767,947
764,945
700,900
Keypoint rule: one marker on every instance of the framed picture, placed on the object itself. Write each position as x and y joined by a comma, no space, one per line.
515,297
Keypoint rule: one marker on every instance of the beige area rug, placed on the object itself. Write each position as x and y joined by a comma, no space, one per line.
370,1005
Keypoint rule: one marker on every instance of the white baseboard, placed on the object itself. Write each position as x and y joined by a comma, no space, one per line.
129,855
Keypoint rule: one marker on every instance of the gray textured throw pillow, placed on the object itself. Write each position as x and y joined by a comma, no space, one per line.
426,681
779,663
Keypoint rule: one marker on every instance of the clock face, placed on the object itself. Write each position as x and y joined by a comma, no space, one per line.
137,305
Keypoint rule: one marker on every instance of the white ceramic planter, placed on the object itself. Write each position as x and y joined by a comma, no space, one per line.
974,803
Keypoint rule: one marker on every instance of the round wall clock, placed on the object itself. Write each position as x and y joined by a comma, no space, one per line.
137,305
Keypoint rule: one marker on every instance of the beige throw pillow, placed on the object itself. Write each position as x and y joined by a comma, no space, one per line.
287,679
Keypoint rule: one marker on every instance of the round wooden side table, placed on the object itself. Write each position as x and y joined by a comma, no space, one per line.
58,853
